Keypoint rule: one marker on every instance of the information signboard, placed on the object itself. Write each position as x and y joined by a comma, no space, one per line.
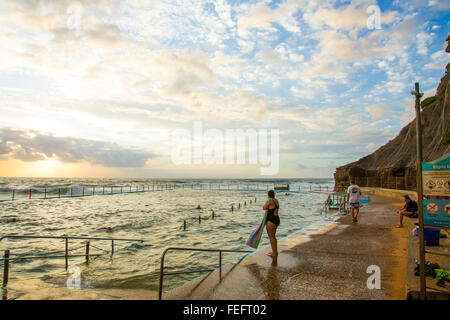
436,177
436,212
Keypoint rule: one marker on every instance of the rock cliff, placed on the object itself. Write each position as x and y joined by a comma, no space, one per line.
393,165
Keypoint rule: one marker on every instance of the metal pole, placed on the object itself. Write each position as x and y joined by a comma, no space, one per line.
67,253
220,265
13,194
71,192
161,276
418,95
93,191
59,193
83,191
87,251
30,193
6,268
45,193
184,225
112,247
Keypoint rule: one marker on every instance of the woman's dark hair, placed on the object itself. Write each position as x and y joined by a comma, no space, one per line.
406,197
271,194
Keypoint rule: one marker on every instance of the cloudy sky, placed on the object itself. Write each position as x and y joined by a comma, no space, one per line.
95,88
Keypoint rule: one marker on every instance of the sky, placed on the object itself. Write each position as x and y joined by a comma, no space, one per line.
97,88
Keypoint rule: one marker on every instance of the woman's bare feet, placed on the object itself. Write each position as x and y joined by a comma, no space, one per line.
399,226
271,254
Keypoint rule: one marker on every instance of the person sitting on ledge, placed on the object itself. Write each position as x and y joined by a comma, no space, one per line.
409,209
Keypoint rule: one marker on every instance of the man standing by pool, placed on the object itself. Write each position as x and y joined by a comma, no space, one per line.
353,193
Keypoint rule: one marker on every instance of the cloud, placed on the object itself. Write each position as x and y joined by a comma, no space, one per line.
351,18
423,41
31,146
137,66
261,16
439,60
377,112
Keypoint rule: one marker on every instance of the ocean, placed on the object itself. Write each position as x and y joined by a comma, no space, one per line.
157,217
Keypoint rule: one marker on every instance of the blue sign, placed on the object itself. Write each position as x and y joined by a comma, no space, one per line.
436,212
436,177
441,164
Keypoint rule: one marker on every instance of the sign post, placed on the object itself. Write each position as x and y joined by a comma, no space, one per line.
420,192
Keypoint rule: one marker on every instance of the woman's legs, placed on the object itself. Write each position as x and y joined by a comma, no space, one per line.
271,230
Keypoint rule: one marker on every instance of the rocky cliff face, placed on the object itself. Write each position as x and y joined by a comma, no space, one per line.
394,164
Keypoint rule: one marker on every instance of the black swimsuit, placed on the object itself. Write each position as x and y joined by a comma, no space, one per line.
272,217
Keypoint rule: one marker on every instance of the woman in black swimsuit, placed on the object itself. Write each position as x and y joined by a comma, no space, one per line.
273,220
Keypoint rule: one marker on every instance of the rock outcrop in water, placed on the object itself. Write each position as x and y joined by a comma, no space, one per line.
393,165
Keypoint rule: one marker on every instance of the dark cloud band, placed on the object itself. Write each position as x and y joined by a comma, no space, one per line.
31,146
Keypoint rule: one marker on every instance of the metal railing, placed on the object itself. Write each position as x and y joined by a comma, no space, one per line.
162,273
7,255
45,193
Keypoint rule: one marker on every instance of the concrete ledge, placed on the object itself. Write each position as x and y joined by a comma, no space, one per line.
322,262
412,281
389,193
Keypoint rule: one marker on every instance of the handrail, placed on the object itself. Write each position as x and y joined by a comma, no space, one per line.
92,190
7,257
67,237
51,256
162,273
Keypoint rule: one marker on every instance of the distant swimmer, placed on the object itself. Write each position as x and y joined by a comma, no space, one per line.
198,207
11,220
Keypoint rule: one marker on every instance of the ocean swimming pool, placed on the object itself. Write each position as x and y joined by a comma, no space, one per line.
157,218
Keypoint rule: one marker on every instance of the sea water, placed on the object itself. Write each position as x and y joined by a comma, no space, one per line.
157,217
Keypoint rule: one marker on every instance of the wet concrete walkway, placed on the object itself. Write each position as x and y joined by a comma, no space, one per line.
326,261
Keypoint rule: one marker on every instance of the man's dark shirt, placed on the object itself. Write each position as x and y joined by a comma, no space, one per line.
411,206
